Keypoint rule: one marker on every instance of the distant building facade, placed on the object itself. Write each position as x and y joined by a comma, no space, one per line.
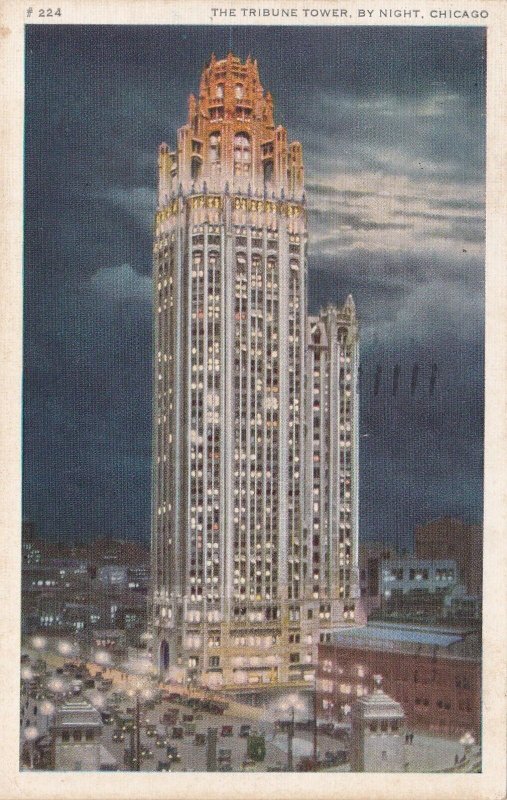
448,537
416,584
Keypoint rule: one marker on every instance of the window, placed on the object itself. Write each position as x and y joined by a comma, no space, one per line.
89,736
65,736
77,736
239,91
310,613
220,91
294,658
384,725
242,154
195,168
214,148
214,661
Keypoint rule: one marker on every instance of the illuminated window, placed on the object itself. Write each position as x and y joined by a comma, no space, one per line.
242,154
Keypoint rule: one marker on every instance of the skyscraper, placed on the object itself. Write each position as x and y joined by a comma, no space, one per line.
234,597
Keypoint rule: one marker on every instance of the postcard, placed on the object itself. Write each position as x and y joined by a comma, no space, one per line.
253,446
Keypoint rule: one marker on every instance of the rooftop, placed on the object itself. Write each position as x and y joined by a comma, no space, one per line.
440,642
77,713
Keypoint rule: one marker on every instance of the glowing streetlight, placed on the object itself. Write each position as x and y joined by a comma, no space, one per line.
57,685
27,673
468,741
97,700
47,708
102,657
39,642
66,648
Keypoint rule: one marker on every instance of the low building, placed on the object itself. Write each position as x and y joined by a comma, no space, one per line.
435,673
377,733
415,584
76,739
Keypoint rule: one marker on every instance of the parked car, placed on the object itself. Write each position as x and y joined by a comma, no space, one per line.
161,741
107,717
118,736
172,752
163,766
224,755
151,730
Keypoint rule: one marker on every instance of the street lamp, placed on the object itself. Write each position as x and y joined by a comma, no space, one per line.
291,703
140,691
31,733
468,741
140,670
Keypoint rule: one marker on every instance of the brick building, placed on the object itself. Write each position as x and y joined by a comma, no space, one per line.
448,537
434,673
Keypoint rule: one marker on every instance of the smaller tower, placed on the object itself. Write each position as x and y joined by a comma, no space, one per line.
377,735
77,732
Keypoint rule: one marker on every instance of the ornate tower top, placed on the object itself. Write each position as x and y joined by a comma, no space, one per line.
231,138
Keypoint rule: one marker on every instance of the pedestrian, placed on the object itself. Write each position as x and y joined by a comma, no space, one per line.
456,759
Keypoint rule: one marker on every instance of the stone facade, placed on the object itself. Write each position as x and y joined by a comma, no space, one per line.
233,557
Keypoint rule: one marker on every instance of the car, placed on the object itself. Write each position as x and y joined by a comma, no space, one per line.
161,741
244,731
326,728
107,717
163,766
151,730
227,730
307,764
225,767
118,736
224,754
146,752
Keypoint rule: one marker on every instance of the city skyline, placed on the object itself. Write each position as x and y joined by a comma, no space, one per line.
421,453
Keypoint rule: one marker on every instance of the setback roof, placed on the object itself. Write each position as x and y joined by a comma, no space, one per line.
400,635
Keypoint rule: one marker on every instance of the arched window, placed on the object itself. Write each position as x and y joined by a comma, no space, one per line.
214,148
220,91
195,168
239,91
268,171
242,154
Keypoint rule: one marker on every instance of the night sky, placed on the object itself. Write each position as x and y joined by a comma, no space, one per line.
392,122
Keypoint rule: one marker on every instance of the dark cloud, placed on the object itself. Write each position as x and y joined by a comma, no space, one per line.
391,121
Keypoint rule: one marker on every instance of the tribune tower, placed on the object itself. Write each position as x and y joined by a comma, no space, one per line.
229,538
